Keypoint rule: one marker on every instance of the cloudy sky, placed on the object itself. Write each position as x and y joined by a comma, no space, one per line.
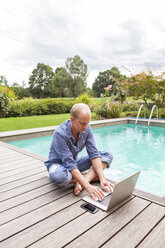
104,33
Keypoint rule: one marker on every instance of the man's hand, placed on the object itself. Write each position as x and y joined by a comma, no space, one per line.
95,192
107,186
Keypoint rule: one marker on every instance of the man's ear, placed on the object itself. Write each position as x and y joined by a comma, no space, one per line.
71,118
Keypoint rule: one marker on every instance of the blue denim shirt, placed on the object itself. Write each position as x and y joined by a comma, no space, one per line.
64,152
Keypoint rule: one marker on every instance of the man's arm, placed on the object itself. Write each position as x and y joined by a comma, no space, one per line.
97,166
66,157
96,161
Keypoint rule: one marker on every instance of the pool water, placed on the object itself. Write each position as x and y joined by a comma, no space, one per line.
134,147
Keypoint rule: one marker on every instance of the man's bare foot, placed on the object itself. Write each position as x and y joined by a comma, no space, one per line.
77,188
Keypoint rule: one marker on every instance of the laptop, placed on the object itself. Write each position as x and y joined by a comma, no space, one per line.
122,190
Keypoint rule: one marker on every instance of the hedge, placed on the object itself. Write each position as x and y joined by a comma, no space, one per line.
29,107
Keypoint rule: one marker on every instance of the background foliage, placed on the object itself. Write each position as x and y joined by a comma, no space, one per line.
6,96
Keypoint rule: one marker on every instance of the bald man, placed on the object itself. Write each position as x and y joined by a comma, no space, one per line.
68,140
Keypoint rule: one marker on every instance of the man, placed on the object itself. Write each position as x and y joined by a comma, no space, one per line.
68,140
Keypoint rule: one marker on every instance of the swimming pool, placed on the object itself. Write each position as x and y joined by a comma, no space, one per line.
134,147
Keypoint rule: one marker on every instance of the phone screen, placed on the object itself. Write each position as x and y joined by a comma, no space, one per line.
89,207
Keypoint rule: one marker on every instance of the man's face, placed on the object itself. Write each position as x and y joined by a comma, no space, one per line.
80,124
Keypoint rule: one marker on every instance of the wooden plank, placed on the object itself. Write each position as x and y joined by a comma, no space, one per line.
29,166
32,218
21,175
23,181
10,203
31,205
35,232
27,153
156,238
2,147
13,158
140,226
88,228
24,188
7,153
10,166
77,227
39,214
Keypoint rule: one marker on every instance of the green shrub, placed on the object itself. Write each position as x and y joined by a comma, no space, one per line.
130,106
29,107
130,114
108,110
84,98
6,96
162,113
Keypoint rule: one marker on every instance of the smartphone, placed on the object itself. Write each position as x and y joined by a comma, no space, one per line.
89,207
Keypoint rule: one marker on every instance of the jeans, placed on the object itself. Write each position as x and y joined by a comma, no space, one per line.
61,176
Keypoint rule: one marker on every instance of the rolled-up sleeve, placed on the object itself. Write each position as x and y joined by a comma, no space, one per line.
90,146
64,154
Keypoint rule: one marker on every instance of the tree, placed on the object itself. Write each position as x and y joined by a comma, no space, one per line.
106,78
142,86
145,86
89,91
40,80
60,83
159,97
77,71
3,80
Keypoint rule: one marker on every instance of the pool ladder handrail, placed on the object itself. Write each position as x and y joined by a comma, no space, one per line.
152,113
140,111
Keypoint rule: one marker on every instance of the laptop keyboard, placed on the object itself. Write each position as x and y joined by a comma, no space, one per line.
105,200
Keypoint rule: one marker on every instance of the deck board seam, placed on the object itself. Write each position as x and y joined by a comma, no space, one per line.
21,171
19,167
22,151
22,178
3,161
35,210
48,216
99,221
125,225
31,200
21,185
150,231
26,191
57,227
20,161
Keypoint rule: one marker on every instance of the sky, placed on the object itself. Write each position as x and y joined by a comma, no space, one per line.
104,33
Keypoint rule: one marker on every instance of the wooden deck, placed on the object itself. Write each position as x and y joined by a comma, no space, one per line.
36,213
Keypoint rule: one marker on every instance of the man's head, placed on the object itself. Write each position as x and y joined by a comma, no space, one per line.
80,116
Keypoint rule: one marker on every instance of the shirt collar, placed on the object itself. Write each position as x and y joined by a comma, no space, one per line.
70,131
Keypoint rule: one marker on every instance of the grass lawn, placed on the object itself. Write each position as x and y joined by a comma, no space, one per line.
16,123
